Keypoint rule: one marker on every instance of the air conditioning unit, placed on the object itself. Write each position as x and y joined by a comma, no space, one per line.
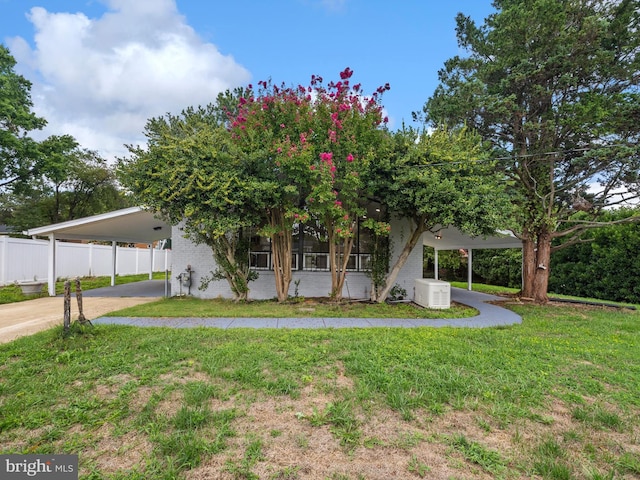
432,293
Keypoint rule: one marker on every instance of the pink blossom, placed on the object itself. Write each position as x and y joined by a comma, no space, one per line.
338,203
279,150
349,158
333,168
326,156
346,73
282,125
312,167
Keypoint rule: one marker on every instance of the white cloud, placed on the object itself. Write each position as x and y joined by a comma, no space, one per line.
101,79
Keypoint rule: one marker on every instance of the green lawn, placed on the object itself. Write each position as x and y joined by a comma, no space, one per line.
554,398
195,307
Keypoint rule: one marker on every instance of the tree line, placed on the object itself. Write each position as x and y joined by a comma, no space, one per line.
47,181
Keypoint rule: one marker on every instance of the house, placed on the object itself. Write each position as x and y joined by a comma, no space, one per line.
311,277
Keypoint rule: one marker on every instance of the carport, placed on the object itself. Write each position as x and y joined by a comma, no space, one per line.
451,238
129,225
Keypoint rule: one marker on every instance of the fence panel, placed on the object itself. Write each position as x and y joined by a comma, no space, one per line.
22,259
26,259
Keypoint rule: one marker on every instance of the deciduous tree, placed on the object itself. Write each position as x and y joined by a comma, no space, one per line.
436,180
191,173
19,156
72,183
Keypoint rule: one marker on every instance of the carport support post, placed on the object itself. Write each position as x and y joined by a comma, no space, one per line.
469,268
51,280
435,264
114,262
151,261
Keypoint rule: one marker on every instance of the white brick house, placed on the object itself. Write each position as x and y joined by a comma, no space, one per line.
314,280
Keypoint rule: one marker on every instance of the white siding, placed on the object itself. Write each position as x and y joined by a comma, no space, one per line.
312,284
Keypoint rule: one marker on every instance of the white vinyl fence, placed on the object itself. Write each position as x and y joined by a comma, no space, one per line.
25,260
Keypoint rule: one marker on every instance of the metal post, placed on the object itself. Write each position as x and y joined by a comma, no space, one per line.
114,262
52,265
469,268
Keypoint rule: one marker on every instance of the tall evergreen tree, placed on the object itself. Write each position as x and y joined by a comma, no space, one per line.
554,85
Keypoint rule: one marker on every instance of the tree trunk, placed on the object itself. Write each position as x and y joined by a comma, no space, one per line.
401,260
338,261
281,243
536,258
339,252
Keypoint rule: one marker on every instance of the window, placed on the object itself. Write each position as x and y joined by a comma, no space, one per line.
310,249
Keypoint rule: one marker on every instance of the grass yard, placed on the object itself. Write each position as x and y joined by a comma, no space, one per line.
316,308
554,398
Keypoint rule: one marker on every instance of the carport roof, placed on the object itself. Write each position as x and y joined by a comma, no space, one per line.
451,238
134,225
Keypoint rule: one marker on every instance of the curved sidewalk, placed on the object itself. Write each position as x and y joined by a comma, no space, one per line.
489,316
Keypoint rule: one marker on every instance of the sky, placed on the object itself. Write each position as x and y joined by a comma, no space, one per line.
101,68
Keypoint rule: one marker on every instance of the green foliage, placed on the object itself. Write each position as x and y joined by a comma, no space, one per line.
553,86
501,267
73,183
606,266
192,173
489,460
18,152
419,468
439,179
380,249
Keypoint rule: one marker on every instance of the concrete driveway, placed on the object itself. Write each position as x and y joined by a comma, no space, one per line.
25,318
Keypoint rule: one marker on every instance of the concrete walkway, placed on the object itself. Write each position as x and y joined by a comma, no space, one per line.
26,318
490,316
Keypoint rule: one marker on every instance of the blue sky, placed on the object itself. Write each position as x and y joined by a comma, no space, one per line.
101,68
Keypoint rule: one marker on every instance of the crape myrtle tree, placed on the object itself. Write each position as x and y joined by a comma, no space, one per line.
271,126
435,180
350,135
191,173
554,86
314,144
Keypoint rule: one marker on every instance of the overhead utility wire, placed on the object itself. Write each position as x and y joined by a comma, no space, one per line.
515,157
